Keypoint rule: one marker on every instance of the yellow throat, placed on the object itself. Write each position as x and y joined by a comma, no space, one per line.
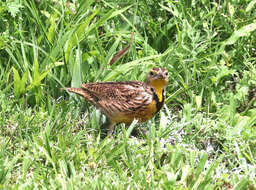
159,85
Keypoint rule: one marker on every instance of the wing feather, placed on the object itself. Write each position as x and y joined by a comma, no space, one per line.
119,97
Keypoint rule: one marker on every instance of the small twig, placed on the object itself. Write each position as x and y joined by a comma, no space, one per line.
122,52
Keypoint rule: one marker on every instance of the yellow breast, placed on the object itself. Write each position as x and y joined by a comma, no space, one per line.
147,112
141,115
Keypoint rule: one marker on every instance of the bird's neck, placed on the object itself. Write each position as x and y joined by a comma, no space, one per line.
159,86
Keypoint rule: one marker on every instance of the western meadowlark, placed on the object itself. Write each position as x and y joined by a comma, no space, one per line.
122,102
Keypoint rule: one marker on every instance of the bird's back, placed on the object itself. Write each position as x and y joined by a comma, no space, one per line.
120,101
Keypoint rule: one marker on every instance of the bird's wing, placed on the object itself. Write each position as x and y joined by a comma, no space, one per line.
115,90
118,96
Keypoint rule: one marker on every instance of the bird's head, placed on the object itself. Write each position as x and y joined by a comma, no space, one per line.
158,78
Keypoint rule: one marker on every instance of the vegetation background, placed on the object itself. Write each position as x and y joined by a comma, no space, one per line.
204,138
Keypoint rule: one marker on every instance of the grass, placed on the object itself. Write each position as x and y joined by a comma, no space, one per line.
204,138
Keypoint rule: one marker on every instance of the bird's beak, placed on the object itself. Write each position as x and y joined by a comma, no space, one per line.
160,76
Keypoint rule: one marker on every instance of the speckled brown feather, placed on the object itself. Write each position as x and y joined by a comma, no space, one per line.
116,97
126,101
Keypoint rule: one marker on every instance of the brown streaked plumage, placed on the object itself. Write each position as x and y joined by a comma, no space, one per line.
122,102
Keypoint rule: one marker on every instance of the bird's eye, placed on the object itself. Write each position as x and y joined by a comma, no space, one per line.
151,73
166,74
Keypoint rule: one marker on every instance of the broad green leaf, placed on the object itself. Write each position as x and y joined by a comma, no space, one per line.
240,123
201,165
250,5
76,76
79,34
172,9
51,31
37,81
95,119
17,82
35,70
232,109
223,71
243,31
23,83
37,77
198,100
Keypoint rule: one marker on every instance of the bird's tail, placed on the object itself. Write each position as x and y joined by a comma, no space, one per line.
78,91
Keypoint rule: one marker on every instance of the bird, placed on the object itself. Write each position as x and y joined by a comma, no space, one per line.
122,102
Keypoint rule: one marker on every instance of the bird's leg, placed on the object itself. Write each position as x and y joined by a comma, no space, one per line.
108,127
111,128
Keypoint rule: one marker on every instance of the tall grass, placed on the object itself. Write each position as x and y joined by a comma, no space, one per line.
204,138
